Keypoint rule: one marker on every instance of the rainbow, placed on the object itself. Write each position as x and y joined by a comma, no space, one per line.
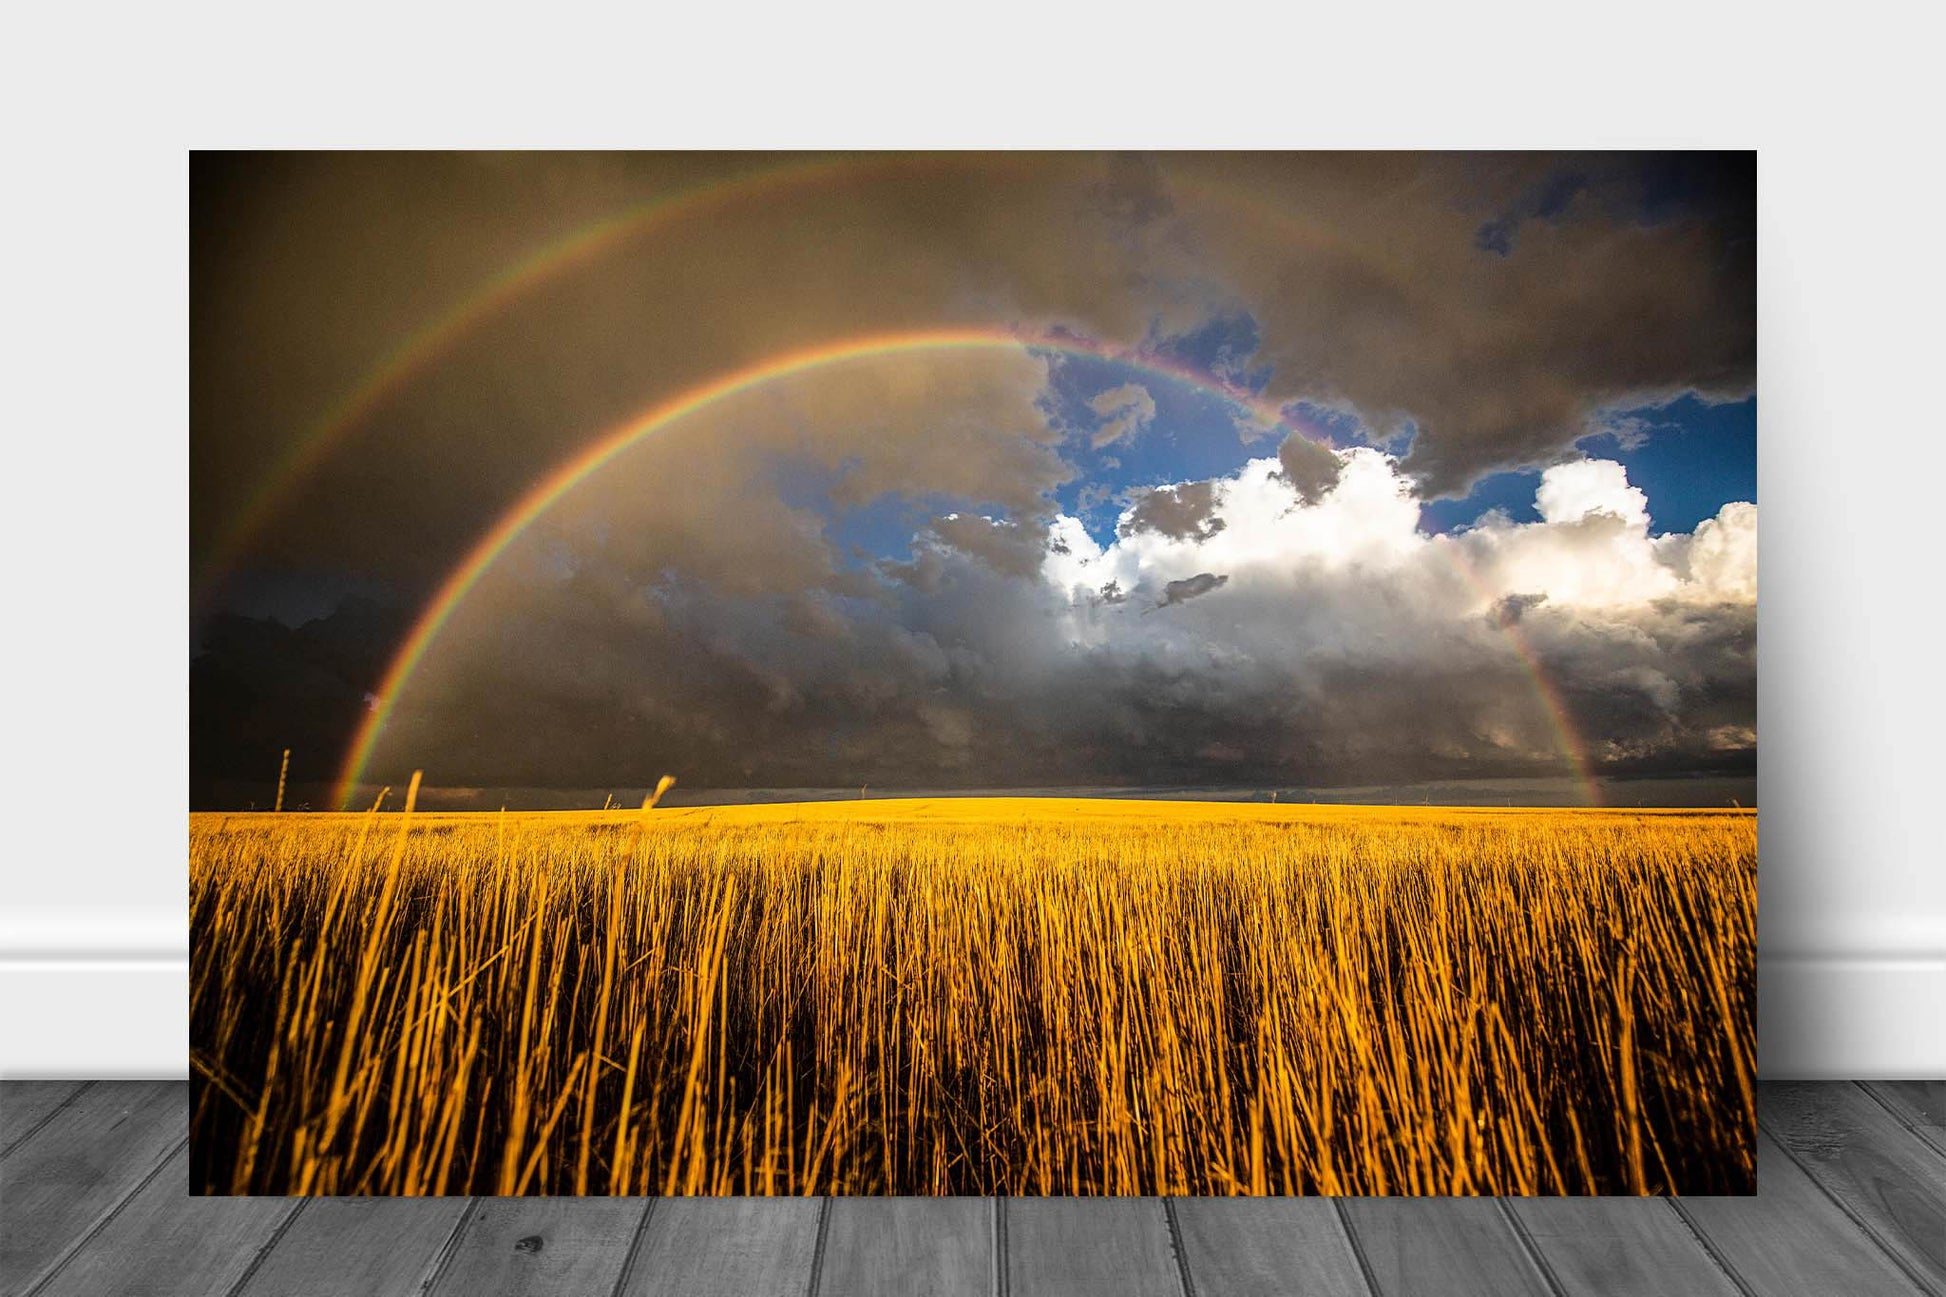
549,490
416,353
1573,748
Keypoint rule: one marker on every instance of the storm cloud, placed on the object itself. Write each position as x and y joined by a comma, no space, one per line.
1347,647
830,545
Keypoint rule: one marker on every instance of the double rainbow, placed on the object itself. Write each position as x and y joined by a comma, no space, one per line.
394,371
584,246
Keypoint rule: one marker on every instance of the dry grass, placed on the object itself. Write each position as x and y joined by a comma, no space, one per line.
975,997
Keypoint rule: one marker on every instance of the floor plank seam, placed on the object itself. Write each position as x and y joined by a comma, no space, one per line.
1710,1249
817,1250
627,1271
1357,1246
1904,1119
1919,1281
106,1218
450,1248
1530,1249
263,1252
1001,1280
51,1114
1176,1248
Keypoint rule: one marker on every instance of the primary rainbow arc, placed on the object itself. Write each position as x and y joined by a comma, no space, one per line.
550,489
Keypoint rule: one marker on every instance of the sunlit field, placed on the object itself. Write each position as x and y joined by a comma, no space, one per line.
975,996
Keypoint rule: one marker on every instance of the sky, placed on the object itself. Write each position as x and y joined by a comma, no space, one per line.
1429,475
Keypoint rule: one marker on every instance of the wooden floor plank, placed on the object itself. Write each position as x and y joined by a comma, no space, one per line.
166,1243
354,1247
1457,1247
1639,1246
726,1247
1870,1162
1791,1239
24,1105
1921,1105
95,1202
88,1158
907,1247
1268,1247
1081,1247
542,1247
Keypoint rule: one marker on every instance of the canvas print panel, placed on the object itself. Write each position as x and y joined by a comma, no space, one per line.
973,673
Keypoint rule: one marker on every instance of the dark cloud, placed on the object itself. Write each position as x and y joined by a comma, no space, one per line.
1312,469
1548,198
1134,192
257,687
1185,512
1509,609
1009,548
1191,587
1380,297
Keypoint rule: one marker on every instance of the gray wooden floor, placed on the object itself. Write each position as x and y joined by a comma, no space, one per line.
92,1201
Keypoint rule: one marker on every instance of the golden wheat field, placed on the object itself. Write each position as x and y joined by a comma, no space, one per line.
975,996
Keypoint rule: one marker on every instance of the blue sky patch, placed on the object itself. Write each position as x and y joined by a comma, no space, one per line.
1690,457
1193,436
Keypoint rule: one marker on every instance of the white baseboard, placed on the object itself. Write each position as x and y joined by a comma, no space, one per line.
82,996
94,993
94,1018
1852,1016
